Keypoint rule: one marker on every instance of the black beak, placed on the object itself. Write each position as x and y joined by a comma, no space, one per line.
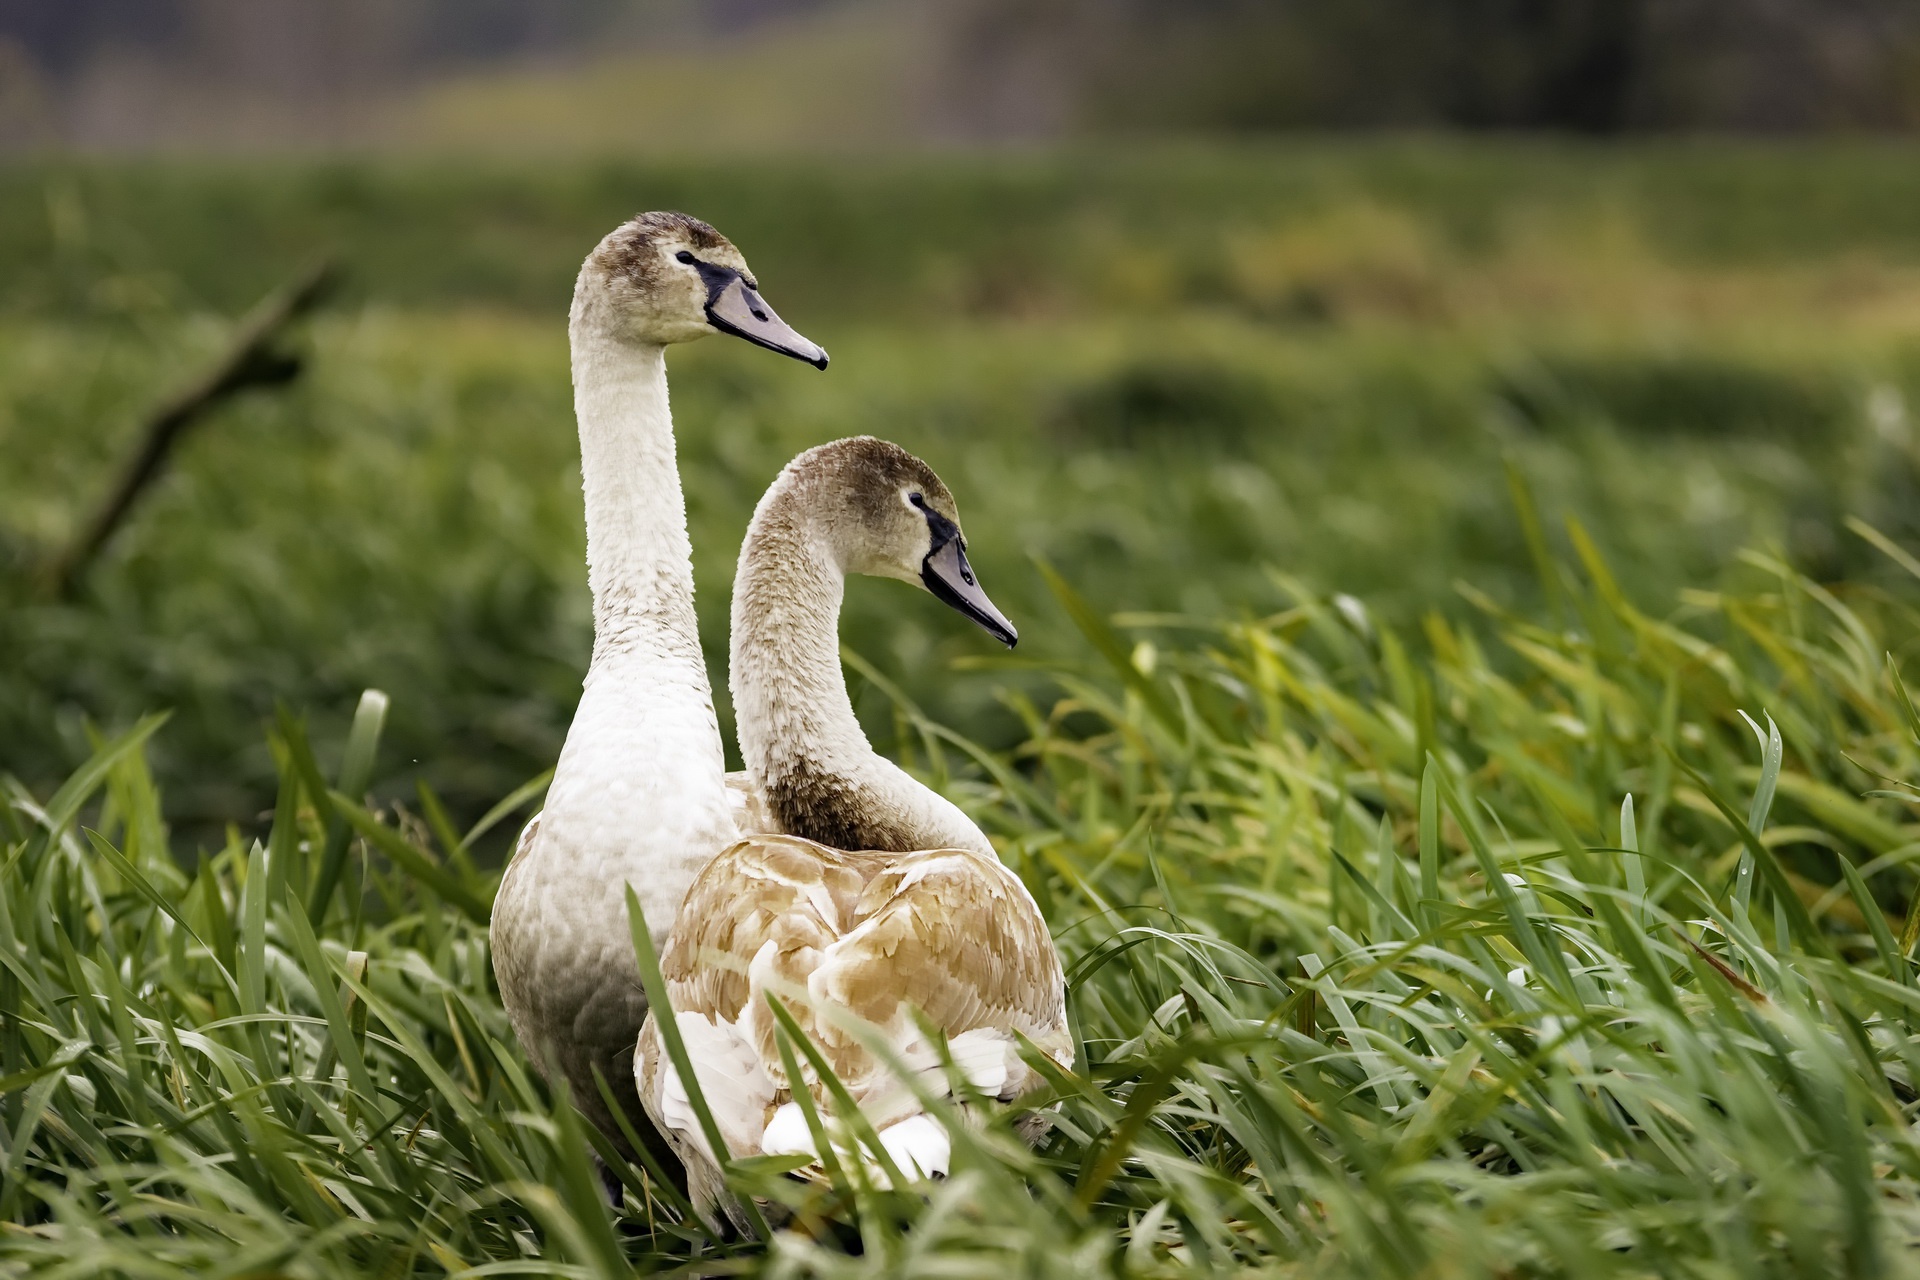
950,578
736,308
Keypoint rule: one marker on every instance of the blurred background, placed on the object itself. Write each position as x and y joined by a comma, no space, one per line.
1208,304
680,74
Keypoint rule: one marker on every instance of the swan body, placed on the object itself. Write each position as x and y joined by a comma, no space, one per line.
638,796
876,903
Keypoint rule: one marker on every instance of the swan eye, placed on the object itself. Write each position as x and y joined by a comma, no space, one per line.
683,256
917,500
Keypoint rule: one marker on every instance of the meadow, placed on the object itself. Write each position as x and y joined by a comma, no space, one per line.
1457,735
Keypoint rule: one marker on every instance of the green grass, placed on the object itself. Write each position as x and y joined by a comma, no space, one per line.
902,235
1164,372
1507,949
1378,519
410,517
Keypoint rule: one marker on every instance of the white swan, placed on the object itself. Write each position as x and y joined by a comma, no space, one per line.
907,910
637,796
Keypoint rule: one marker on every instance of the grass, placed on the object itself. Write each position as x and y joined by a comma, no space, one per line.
1512,948
282,560
1163,372
1413,547
904,237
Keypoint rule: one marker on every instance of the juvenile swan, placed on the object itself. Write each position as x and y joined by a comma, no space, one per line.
638,796
882,898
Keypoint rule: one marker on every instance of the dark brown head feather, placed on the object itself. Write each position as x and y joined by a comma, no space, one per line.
629,251
871,472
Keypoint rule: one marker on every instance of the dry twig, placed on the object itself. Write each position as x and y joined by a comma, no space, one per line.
252,359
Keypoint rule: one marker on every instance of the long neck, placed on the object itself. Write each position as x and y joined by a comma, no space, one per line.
801,742
790,695
639,786
639,561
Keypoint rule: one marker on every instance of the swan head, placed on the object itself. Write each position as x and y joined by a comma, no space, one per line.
664,278
883,512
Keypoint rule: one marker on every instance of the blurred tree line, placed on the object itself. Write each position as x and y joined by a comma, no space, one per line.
1591,66
1034,68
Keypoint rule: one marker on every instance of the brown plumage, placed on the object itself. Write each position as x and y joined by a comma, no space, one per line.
879,940
631,251
945,931
805,800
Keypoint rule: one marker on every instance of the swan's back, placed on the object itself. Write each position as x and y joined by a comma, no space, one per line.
845,940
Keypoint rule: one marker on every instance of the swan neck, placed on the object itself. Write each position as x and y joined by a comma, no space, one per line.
803,746
638,795
790,694
639,558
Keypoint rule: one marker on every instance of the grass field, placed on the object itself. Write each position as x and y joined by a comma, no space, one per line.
1378,520
1165,373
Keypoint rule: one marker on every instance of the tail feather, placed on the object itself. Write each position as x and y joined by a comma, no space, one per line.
919,1146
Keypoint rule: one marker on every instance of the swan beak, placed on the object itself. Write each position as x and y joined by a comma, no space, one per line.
949,577
735,308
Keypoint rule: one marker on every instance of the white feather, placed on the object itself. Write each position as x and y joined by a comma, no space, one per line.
638,797
982,1056
787,1133
737,1090
919,1146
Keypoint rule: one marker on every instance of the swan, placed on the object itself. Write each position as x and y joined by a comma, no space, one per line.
638,795
875,897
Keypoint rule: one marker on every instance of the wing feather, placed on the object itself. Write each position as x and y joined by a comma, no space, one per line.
760,889
749,806
957,937
885,939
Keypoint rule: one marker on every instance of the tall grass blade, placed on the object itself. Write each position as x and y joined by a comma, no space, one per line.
356,773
